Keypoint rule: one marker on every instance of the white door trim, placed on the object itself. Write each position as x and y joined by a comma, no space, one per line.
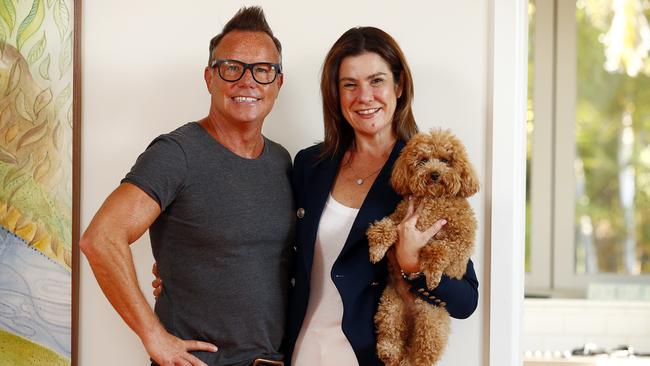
503,292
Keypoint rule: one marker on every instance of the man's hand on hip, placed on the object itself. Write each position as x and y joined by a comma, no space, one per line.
168,350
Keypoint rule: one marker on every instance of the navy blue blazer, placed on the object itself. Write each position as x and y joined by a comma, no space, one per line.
359,282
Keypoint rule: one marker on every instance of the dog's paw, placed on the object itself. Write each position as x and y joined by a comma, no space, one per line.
457,269
383,232
377,252
391,351
381,236
389,354
433,278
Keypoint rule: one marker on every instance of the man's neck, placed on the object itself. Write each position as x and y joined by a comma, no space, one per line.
242,139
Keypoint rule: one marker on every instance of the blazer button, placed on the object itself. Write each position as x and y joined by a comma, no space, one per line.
300,213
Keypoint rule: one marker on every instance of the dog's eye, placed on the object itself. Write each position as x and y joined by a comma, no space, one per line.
445,161
424,161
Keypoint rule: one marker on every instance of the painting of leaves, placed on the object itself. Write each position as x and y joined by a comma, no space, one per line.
36,82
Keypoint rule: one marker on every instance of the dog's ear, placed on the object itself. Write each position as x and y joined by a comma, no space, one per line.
468,181
399,177
469,184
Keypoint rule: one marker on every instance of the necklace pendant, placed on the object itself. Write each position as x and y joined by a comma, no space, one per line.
359,181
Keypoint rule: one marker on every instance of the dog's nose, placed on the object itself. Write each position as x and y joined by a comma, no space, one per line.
435,176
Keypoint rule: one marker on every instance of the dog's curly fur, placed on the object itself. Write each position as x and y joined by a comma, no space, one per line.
434,169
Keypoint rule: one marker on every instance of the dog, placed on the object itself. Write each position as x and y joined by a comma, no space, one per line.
434,170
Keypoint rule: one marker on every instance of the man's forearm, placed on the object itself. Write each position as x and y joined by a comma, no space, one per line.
112,264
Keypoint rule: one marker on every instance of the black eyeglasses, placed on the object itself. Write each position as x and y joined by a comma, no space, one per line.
233,70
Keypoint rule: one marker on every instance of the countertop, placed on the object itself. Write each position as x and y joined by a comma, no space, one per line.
588,361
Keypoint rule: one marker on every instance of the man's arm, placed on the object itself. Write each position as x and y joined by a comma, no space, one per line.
125,215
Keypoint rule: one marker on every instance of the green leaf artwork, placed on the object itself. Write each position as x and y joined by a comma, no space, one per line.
65,57
37,50
31,23
69,115
44,68
3,41
63,97
61,17
42,100
8,13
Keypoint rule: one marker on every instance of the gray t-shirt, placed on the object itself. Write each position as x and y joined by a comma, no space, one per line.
221,242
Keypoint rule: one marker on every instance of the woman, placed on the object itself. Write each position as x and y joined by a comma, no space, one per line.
341,186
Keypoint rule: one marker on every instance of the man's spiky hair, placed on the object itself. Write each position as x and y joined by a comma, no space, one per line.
250,19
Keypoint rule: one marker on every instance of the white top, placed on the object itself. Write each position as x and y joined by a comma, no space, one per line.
321,341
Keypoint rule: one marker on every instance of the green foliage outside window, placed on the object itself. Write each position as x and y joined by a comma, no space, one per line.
613,134
612,166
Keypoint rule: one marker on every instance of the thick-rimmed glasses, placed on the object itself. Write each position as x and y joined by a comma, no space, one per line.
233,70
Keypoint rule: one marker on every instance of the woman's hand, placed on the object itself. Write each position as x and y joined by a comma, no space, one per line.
411,240
157,282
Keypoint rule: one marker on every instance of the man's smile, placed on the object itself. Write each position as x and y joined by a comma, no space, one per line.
241,99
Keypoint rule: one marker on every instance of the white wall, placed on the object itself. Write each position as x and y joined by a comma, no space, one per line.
142,75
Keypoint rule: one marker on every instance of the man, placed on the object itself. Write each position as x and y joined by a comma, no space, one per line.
216,198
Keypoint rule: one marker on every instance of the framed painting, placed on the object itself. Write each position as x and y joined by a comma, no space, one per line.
39,180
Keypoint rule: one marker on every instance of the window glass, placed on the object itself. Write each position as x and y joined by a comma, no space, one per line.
612,166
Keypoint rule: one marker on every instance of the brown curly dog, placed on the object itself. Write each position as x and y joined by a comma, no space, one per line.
433,169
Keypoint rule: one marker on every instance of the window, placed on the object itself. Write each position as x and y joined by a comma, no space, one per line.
588,198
